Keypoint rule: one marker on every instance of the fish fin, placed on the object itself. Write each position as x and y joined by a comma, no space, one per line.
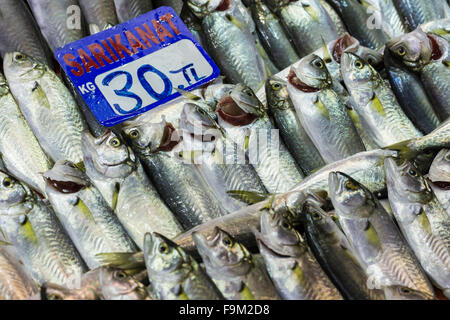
321,108
39,95
80,165
211,119
188,95
122,260
115,196
249,197
189,155
326,52
372,235
84,209
376,105
403,149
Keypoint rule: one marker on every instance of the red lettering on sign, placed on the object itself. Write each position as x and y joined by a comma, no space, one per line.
119,47
89,63
161,31
168,18
108,48
68,59
148,34
99,53
134,42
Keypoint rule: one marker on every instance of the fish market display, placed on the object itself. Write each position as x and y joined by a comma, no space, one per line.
316,166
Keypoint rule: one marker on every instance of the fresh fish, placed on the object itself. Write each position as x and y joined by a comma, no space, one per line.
375,103
193,24
173,274
411,94
386,17
439,178
272,35
246,122
20,33
117,285
230,42
236,273
377,240
356,19
294,135
47,105
120,177
180,184
334,16
404,293
19,148
415,12
85,215
57,21
33,229
130,9
423,221
321,111
14,282
175,4
218,158
295,272
438,27
100,14
427,55
307,23
336,255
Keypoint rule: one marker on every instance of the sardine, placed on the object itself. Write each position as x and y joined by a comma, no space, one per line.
100,14
415,12
439,178
130,9
386,17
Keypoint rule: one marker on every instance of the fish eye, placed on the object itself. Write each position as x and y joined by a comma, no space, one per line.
405,290
413,172
317,216
276,86
248,92
7,182
349,185
134,134
359,64
115,142
19,56
401,51
286,225
318,63
54,297
163,248
121,275
228,242
370,60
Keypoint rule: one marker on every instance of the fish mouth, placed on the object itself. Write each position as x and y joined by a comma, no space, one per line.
436,52
223,5
443,185
231,113
64,186
168,139
270,250
341,45
298,84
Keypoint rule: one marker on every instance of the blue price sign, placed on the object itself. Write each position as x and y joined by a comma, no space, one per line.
136,66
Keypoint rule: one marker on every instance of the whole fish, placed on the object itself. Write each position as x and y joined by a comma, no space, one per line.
85,215
295,272
130,9
180,184
120,178
375,103
20,32
218,158
19,148
236,273
100,14
422,219
15,284
439,178
356,19
321,111
47,105
175,4
411,94
307,23
386,17
173,274
336,255
427,55
334,16
60,21
230,42
415,12
294,135
47,253
378,242
273,36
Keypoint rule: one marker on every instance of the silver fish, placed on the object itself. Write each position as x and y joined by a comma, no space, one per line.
100,14
439,178
47,105
87,218
415,12
120,177
130,9
117,285
385,13
377,240
34,230
19,148
321,111
423,220
334,16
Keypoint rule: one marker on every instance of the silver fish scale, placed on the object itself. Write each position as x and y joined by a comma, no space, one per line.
234,50
338,23
14,284
130,9
101,13
416,12
436,78
391,15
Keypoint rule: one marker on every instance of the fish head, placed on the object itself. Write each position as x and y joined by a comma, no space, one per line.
440,168
66,177
350,199
18,65
320,220
108,154
202,7
4,88
118,285
413,49
373,57
278,233
355,70
276,92
11,191
221,252
397,292
313,72
405,180
345,43
50,291
199,122
148,137
164,257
